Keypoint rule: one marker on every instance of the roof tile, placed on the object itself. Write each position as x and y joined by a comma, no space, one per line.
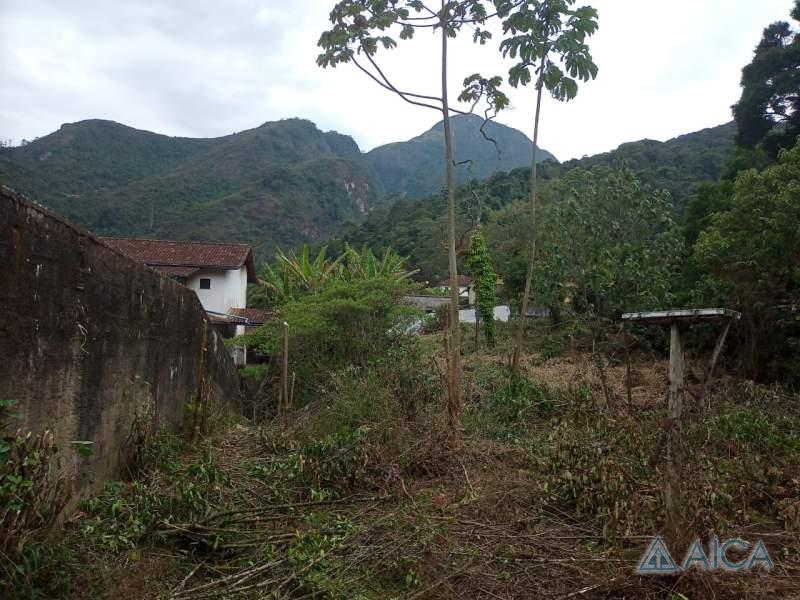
168,253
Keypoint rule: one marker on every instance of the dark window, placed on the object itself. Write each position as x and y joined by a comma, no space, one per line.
205,283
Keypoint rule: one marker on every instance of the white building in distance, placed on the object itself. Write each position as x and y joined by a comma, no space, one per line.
218,273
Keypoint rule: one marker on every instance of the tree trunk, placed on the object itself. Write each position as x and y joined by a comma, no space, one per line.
523,317
477,327
454,372
286,401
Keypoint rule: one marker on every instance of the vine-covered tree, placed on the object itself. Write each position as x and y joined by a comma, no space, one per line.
547,41
767,112
484,282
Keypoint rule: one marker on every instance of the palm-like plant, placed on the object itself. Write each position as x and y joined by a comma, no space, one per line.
294,275
364,264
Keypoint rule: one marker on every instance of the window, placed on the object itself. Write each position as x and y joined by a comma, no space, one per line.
205,283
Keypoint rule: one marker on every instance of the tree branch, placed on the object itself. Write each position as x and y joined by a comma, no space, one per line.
407,96
393,89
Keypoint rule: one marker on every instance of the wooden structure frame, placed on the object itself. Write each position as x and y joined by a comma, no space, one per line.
677,319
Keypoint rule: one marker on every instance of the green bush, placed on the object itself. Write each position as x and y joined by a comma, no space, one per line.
600,471
510,406
550,346
751,429
519,399
32,494
347,323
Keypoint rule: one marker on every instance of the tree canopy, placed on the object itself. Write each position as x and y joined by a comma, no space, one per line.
767,112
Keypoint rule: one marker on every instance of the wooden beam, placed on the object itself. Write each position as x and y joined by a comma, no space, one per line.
672,472
626,339
700,406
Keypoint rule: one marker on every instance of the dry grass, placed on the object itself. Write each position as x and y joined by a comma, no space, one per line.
390,512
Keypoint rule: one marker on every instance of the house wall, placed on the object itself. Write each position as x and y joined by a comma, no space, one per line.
228,289
95,346
426,303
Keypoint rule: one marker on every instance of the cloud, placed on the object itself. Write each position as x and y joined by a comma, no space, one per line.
202,68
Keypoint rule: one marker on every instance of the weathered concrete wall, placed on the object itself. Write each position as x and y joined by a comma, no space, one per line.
96,347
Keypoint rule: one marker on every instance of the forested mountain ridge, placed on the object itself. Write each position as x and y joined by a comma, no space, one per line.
282,183
415,168
676,165
416,229
286,182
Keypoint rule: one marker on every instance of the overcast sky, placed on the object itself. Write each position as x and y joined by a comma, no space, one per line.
204,68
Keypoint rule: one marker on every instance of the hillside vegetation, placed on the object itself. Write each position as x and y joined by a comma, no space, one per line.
416,229
286,183
676,165
281,184
278,184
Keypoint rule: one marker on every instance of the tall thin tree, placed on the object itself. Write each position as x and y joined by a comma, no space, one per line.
360,29
543,36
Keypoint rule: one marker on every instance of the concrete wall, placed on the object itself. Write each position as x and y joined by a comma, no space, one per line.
95,346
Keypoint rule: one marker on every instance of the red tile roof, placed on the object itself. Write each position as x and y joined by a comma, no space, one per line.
176,271
168,253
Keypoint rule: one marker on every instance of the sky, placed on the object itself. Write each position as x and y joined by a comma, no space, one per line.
203,68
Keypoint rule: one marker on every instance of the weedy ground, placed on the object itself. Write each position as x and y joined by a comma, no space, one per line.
554,494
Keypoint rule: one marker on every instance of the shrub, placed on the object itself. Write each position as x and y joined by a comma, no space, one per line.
602,472
510,405
348,323
550,346
751,429
519,399
32,494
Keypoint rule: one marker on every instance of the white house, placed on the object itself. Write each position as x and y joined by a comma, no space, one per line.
218,273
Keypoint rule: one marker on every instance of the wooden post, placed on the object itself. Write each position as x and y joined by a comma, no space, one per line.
700,407
628,384
285,370
672,483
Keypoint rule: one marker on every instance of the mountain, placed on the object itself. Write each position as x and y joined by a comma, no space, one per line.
286,182
282,183
415,168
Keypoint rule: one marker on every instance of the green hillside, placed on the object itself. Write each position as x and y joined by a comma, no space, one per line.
282,183
415,168
286,182
676,165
